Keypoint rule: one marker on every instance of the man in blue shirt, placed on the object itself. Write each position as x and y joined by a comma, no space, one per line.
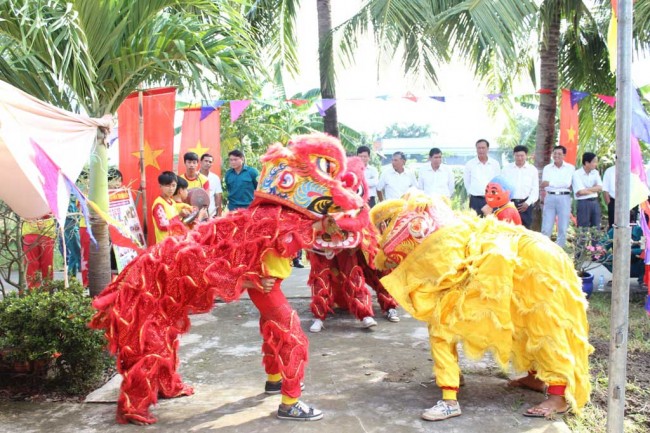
241,181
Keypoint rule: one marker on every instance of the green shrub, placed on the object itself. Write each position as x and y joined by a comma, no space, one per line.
51,322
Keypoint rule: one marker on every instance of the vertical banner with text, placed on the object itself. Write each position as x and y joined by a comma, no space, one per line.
122,209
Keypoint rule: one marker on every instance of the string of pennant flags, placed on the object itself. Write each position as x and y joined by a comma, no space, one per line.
238,106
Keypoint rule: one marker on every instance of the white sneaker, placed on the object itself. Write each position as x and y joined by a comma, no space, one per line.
442,410
300,411
392,316
317,326
368,322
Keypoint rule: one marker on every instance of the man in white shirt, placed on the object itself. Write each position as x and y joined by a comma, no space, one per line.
371,174
556,181
436,177
216,193
609,193
586,186
524,178
478,173
396,180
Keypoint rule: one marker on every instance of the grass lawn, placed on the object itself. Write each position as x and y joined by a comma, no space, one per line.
637,391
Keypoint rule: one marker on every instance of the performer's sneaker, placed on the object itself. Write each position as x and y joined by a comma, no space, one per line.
391,315
368,322
272,388
300,411
442,410
317,326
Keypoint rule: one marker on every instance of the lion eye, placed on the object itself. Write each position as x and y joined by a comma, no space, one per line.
325,166
286,180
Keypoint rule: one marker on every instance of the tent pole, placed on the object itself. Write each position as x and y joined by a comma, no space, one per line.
143,177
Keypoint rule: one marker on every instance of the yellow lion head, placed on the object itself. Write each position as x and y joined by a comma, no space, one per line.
404,223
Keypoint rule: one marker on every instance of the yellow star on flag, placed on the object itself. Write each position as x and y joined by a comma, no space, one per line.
150,156
199,149
571,134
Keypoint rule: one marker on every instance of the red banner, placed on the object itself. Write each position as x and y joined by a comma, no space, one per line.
569,127
201,134
158,107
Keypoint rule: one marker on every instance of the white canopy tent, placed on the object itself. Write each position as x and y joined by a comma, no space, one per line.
67,138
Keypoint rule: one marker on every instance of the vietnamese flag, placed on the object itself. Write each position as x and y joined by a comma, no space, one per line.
201,134
569,127
158,107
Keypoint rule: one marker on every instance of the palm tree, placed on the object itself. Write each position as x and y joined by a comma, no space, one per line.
273,24
503,39
88,56
326,65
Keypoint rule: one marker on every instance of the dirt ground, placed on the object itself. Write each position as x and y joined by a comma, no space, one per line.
637,394
29,388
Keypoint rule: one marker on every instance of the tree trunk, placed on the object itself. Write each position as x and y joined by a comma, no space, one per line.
99,262
549,59
326,65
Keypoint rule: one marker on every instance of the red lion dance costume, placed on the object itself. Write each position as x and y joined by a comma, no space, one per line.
340,277
147,307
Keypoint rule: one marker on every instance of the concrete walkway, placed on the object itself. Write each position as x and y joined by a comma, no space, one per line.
375,380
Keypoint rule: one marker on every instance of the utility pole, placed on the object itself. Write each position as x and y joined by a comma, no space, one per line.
619,321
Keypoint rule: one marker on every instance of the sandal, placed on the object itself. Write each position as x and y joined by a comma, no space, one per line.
548,415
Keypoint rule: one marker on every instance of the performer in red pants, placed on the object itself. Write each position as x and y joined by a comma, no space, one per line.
38,247
343,278
146,308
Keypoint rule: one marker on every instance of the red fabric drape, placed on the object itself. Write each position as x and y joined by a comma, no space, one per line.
158,118
569,127
201,136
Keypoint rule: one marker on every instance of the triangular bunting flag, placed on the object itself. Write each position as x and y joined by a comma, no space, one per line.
410,96
640,119
206,111
383,97
612,38
210,108
298,102
50,172
636,160
181,104
645,91
609,100
237,107
83,204
494,96
438,98
323,105
577,96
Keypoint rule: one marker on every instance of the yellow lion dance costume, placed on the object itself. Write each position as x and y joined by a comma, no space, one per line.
491,286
